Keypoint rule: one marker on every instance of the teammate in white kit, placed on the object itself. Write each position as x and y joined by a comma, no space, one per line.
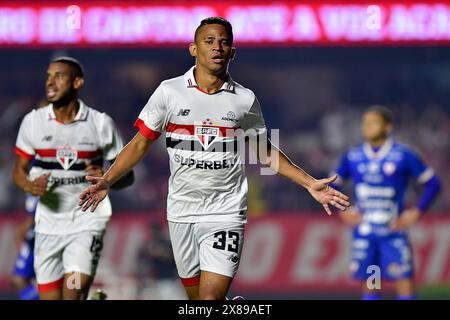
67,139
207,202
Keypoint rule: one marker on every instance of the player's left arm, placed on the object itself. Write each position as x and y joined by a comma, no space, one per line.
125,181
319,189
269,155
432,185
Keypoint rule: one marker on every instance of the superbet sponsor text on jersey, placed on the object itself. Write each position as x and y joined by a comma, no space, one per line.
63,150
207,181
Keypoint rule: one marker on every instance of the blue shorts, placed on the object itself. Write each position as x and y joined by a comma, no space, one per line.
24,266
391,253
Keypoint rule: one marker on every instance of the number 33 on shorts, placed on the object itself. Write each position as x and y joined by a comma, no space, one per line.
221,242
207,246
226,250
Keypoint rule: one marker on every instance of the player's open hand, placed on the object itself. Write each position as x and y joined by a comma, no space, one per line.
94,194
326,195
406,219
38,187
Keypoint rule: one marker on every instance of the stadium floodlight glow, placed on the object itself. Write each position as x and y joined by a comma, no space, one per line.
90,24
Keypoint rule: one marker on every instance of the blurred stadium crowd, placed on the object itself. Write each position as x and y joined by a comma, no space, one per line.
314,96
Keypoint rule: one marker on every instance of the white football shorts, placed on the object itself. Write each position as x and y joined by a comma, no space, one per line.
56,255
206,246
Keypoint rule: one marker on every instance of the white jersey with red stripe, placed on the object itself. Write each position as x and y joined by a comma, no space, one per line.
208,181
63,150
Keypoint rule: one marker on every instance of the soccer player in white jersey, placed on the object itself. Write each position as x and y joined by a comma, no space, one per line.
67,140
207,199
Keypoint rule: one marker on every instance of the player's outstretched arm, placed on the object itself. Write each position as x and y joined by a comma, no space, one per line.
130,155
320,189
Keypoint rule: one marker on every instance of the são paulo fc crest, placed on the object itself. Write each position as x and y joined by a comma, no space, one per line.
206,135
66,156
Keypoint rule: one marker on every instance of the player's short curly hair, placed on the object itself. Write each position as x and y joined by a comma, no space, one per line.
216,20
72,62
383,111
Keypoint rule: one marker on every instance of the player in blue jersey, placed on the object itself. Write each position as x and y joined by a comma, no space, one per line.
380,169
23,278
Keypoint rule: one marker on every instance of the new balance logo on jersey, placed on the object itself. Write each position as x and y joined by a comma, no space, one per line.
183,112
47,138
66,156
206,135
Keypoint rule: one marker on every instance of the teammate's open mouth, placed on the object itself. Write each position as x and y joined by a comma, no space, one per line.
51,92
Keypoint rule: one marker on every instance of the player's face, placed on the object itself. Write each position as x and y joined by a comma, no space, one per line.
374,127
212,48
60,82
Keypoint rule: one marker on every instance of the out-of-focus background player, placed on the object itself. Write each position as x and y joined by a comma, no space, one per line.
65,140
380,170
